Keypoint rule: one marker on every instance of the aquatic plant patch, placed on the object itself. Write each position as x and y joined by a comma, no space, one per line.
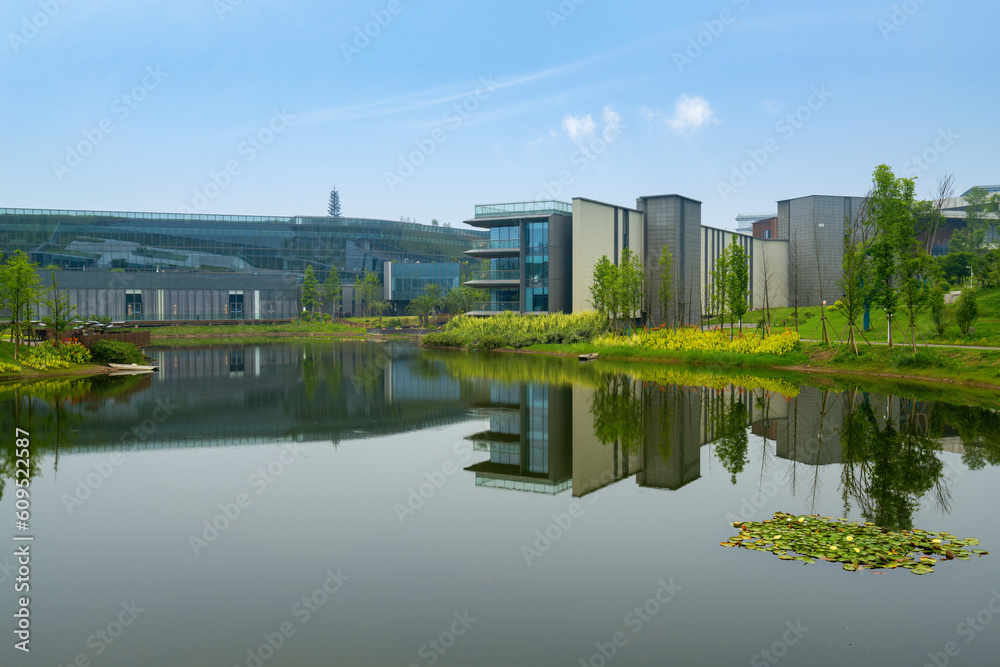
856,545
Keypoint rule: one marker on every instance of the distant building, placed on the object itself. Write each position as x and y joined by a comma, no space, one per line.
175,266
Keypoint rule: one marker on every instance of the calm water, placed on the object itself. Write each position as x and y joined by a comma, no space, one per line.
373,504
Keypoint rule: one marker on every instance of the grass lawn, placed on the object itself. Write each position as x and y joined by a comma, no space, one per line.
987,324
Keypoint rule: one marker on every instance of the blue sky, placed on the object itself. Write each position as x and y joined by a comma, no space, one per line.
261,106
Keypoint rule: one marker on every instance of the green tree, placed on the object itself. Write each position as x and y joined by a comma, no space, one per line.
738,279
20,291
380,308
462,299
890,206
604,290
631,287
368,291
967,310
977,205
60,317
422,307
720,285
333,208
957,264
310,290
666,294
856,285
935,301
915,278
332,290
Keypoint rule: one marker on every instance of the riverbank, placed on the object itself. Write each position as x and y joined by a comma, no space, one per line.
957,366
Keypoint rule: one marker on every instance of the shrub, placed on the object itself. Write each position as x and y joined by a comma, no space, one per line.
808,314
944,286
116,352
695,340
967,310
831,309
513,330
838,304
935,300
9,368
395,323
44,357
74,352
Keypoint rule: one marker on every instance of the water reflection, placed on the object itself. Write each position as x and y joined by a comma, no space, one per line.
549,425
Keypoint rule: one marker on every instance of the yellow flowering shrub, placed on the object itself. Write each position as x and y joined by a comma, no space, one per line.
696,340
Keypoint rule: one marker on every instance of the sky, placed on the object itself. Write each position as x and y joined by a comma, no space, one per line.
422,110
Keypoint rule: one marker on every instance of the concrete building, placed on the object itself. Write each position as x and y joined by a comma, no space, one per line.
814,227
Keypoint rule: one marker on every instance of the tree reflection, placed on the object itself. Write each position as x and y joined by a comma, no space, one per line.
886,469
618,413
733,440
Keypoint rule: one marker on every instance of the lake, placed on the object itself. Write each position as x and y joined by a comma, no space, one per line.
365,503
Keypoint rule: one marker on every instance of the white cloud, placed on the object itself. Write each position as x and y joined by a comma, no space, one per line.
579,127
612,124
690,114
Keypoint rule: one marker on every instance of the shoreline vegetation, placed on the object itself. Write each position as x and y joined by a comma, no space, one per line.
570,335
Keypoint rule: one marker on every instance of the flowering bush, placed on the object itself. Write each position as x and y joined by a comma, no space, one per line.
696,340
44,357
512,330
9,368
73,352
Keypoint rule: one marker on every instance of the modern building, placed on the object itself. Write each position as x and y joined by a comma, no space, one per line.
199,264
542,254
814,227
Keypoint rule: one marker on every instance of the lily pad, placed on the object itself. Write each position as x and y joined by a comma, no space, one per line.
855,545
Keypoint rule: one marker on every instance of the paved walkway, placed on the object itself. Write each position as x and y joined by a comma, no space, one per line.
919,344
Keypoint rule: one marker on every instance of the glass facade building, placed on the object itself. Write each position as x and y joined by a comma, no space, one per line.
406,281
174,266
529,246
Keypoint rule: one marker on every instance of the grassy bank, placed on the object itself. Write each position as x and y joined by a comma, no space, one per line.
810,324
28,373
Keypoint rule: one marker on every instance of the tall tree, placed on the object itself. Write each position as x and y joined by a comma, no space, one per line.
332,290
856,278
60,317
334,206
631,285
603,290
310,290
368,291
890,206
666,263
20,287
720,285
977,205
738,279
